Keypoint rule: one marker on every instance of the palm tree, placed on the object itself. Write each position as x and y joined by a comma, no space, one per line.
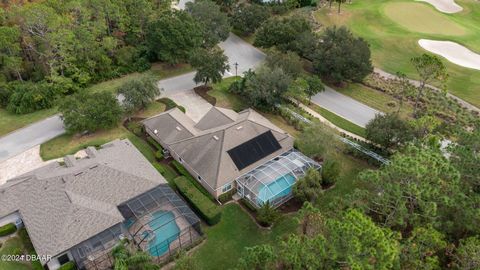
127,260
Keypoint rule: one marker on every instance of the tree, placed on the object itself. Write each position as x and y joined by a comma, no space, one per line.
10,60
211,65
90,112
314,86
421,249
132,260
214,22
185,262
309,187
283,33
330,172
466,159
404,89
340,2
138,93
341,56
261,257
388,131
247,18
418,187
311,220
289,62
266,87
267,214
315,137
173,36
467,255
429,68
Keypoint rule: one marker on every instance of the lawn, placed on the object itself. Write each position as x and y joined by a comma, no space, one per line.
10,122
12,246
227,240
225,99
375,99
393,28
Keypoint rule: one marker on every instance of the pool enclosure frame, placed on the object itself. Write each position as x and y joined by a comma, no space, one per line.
265,176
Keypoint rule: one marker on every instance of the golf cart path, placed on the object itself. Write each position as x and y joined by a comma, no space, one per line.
417,83
445,6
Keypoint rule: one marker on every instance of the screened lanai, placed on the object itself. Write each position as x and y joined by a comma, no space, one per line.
273,181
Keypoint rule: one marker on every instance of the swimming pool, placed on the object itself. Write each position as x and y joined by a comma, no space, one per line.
281,187
166,231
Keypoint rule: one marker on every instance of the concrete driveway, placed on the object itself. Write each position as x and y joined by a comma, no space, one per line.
347,107
195,106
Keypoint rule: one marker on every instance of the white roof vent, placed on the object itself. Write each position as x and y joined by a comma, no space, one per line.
215,137
178,128
155,131
239,127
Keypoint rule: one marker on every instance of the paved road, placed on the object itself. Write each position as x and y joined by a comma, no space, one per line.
348,108
30,136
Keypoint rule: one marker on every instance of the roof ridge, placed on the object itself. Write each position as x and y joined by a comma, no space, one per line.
217,172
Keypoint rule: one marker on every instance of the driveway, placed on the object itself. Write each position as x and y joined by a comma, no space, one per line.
347,107
195,106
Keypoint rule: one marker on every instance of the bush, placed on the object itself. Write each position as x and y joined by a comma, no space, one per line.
170,104
27,97
330,172
179,167
159,168
200,203
181,108
267,215
8,229
136,128
68,266
154,143
159,155
227,196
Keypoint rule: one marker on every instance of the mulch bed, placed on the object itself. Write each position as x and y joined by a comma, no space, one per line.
203,92
292,205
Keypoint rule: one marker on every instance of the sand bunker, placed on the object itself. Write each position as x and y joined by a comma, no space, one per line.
445,6
454,52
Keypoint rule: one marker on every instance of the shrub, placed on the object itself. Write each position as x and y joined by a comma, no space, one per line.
154,143
27,97
170,104
330,172
181,108
68,266
227,196
159,155
179,167
200,203
136,128
8,229
159,168
267,215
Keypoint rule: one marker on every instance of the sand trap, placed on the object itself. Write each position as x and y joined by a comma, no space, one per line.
454,52
445,6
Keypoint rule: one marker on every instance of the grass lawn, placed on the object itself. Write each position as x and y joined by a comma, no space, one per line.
10,122
11,247
227,240
225,99
338,120
375,99
393,28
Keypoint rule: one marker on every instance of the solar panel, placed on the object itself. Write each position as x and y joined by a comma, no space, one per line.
253,150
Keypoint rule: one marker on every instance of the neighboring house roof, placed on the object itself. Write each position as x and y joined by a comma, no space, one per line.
64,205
205,148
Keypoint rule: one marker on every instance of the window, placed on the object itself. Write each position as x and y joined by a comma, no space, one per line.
226,187
199,178
63,259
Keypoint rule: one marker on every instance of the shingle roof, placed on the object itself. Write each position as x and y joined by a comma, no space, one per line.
220,130
62,206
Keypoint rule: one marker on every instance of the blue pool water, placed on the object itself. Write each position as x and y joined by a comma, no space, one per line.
165,229
282,186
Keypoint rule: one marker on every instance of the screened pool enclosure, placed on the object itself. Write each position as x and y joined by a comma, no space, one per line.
273,181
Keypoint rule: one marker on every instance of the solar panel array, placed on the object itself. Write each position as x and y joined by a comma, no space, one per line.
254,150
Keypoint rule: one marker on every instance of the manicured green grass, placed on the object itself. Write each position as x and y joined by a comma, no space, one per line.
227,240
376,99
395,42
9,248
10,122
338,120
225,99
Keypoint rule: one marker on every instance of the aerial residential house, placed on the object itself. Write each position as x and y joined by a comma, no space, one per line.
80,209
227,150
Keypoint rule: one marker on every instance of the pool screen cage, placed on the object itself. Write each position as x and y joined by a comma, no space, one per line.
273,181
151,214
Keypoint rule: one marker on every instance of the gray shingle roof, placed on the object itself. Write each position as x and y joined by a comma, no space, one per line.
205,149
62,206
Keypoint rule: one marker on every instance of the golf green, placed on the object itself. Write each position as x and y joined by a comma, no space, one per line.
394,27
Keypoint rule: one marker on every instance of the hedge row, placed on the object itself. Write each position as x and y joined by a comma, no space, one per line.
227,196
208,210
7,229
185,173
154,143
170,104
